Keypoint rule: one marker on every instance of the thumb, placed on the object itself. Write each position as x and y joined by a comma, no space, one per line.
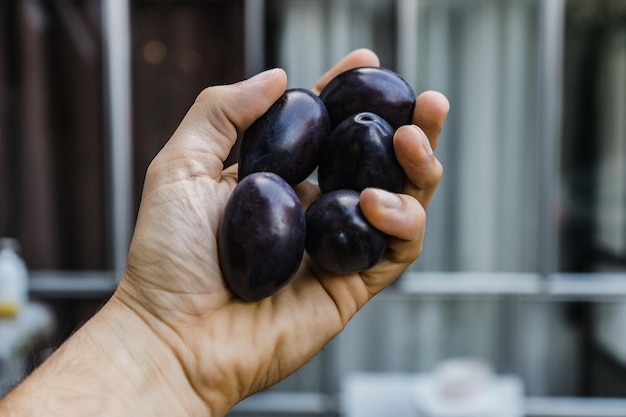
210,128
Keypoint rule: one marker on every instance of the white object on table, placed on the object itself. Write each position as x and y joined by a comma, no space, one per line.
465,387
33,324
13,278
369,394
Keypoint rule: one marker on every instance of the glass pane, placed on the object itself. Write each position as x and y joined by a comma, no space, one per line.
484,55
51,140
593,233
53,162
178,49
593,229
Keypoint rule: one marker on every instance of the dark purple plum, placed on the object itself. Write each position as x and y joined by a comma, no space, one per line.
261,236
369,89
286,139
338,236
359,153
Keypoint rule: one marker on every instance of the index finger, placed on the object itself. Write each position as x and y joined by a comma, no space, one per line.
431,110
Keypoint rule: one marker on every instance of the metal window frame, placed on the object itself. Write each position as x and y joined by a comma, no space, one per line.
549,111
118,105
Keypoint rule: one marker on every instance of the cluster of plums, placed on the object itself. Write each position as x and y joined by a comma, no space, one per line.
347,134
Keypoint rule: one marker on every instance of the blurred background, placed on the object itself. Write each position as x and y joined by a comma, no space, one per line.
524,267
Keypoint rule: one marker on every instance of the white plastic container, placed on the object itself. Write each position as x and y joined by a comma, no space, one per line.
465,387
13,278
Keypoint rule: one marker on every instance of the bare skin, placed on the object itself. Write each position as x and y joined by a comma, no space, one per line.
173,340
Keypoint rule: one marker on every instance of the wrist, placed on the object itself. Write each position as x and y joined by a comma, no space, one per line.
114,365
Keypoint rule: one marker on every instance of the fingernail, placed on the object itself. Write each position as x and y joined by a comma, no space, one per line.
262,76
387,199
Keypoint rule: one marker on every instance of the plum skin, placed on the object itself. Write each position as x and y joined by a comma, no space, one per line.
287,138
358,154
371,89
261,236
338,236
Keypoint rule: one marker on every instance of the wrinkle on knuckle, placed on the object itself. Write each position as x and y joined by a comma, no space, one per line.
436,174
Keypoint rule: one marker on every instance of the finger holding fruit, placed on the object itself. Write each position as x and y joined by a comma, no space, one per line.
351,134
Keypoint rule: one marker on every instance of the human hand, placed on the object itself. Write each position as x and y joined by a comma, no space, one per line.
229,348
173,337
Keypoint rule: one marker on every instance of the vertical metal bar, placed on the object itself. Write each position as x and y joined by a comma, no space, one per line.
254,37
552,28
407,39
117,73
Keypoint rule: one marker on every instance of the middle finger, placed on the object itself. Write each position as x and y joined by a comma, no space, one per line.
422,168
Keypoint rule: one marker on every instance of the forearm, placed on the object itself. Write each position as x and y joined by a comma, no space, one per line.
113,366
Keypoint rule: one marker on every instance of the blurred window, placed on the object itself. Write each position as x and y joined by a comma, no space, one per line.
54,173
